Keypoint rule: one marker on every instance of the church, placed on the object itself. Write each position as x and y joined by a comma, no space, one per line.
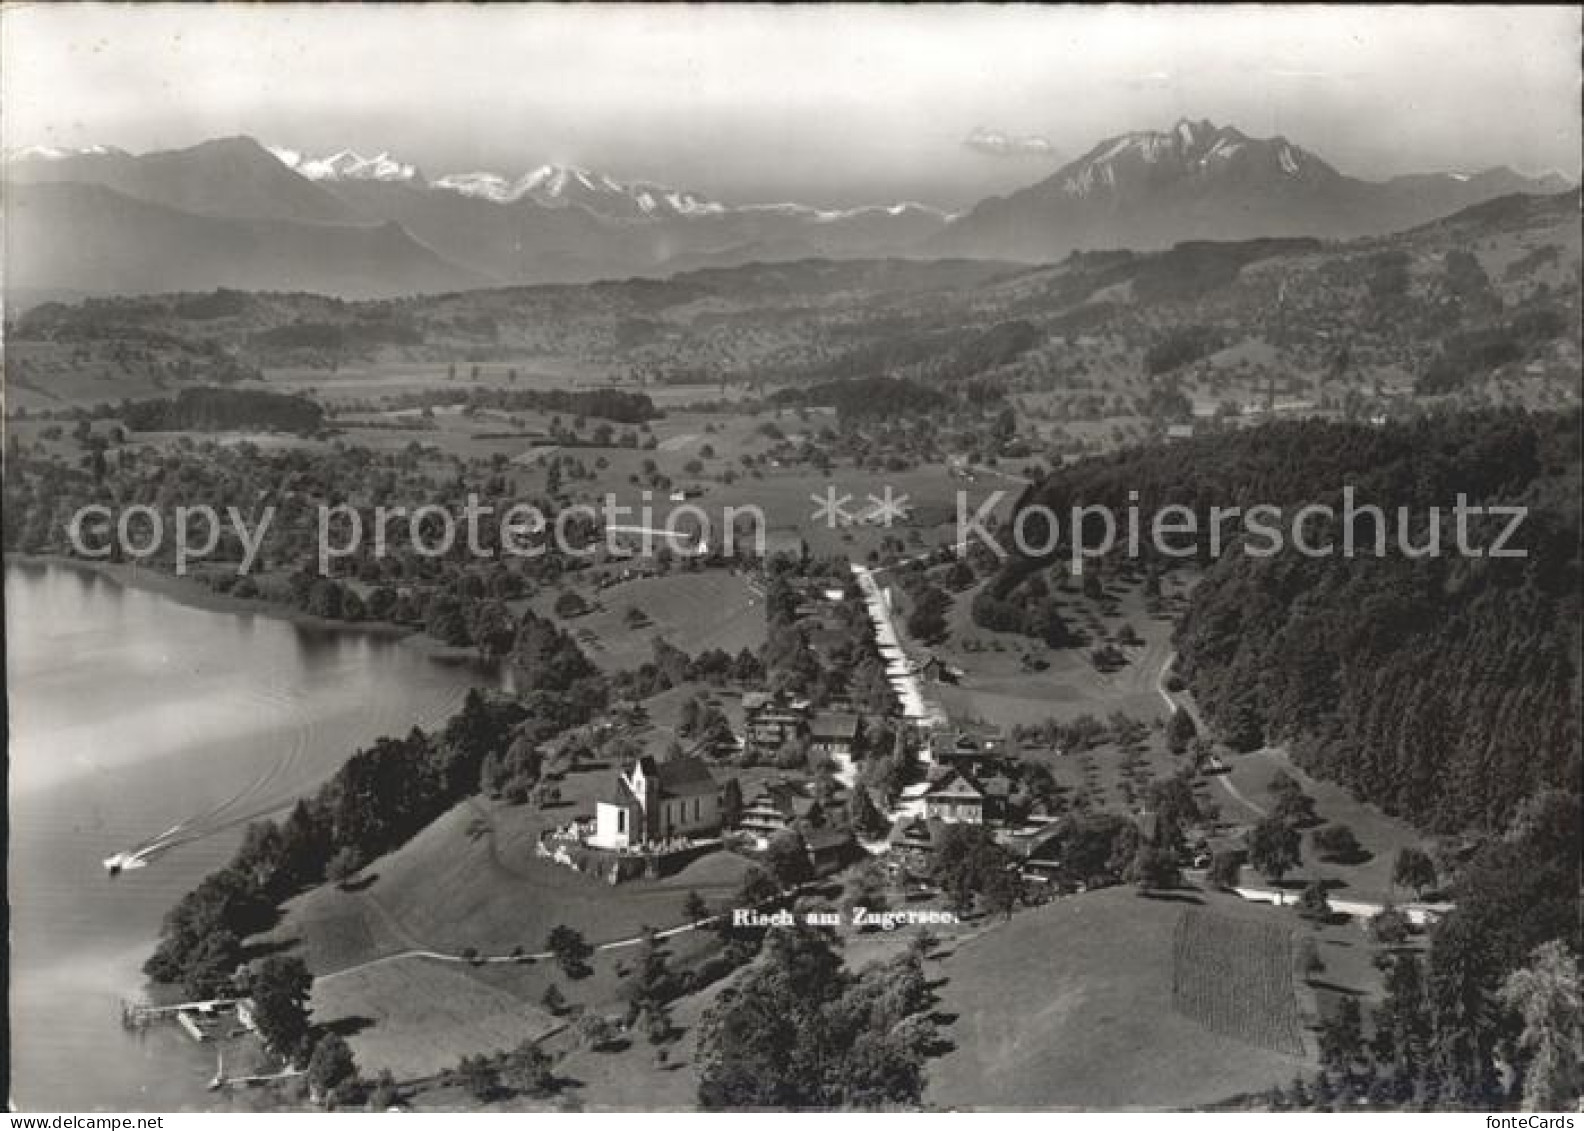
657,801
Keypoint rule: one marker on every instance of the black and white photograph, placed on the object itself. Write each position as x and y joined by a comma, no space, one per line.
597,558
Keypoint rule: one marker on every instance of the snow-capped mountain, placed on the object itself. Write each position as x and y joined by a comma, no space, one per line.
562,186
347,166
59,153
1191,151
347,219
558,186
234,177
1199,180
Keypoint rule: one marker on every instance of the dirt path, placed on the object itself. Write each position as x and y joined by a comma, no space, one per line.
1183,700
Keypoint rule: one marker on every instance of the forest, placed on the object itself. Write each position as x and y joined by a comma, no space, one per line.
211,410
1441,687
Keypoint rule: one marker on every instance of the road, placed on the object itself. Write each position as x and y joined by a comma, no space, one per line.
1184,701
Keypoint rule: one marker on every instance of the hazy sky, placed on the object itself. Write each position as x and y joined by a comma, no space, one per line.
835,105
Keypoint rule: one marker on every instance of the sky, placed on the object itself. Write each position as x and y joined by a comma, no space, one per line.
828,105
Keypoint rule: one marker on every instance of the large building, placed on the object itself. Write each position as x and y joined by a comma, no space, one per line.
658,801
770,720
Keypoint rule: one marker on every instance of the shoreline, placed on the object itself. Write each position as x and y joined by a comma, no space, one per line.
195,595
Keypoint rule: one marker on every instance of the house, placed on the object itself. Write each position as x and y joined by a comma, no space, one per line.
939,670
778,806
969,750
833,734
656,802
830,850
954,798
1001,796
913,843
1040,855
769,720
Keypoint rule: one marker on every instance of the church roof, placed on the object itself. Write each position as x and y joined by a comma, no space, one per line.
687,776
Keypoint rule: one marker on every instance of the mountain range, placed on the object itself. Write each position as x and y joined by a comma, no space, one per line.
1197,180
235,213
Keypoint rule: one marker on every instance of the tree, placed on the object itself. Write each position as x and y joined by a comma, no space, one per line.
688,716
1389,926
1001,891
927,619
553,1000
480,1076
1460,989
1342,1038
788,860
694,908
1545,996
280,1003
731,803
1297,808
1180,731
1414,869
1155,869
1402,1023
594,1031
528,1070
1337,843
569,605
1314,904
964,863
772,1040
651,983
1273,848
331,1065
343,865
1226,867
385,1095
570,949
864,886
865,816
1309,960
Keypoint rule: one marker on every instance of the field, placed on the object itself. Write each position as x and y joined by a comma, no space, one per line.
1234,976
692,611
1070,1006
418,1018
1002,686
1381,835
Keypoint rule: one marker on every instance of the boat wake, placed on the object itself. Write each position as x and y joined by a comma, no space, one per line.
277,788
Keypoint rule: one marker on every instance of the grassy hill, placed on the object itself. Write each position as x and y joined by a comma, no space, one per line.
1071,1006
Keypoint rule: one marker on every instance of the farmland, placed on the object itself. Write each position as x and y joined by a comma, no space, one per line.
692,611
1049,1007
1234,976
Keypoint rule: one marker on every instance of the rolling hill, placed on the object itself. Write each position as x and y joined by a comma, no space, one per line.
93,240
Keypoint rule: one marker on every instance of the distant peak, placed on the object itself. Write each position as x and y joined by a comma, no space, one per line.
347,165
61,153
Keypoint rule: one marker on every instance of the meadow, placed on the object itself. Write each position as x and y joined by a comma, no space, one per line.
1070,1005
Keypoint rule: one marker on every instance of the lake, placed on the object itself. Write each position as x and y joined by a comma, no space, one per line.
138,723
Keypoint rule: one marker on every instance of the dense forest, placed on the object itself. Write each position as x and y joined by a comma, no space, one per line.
210,410
867,397
619,405
1442,687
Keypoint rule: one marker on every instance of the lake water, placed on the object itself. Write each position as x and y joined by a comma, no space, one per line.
135,718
